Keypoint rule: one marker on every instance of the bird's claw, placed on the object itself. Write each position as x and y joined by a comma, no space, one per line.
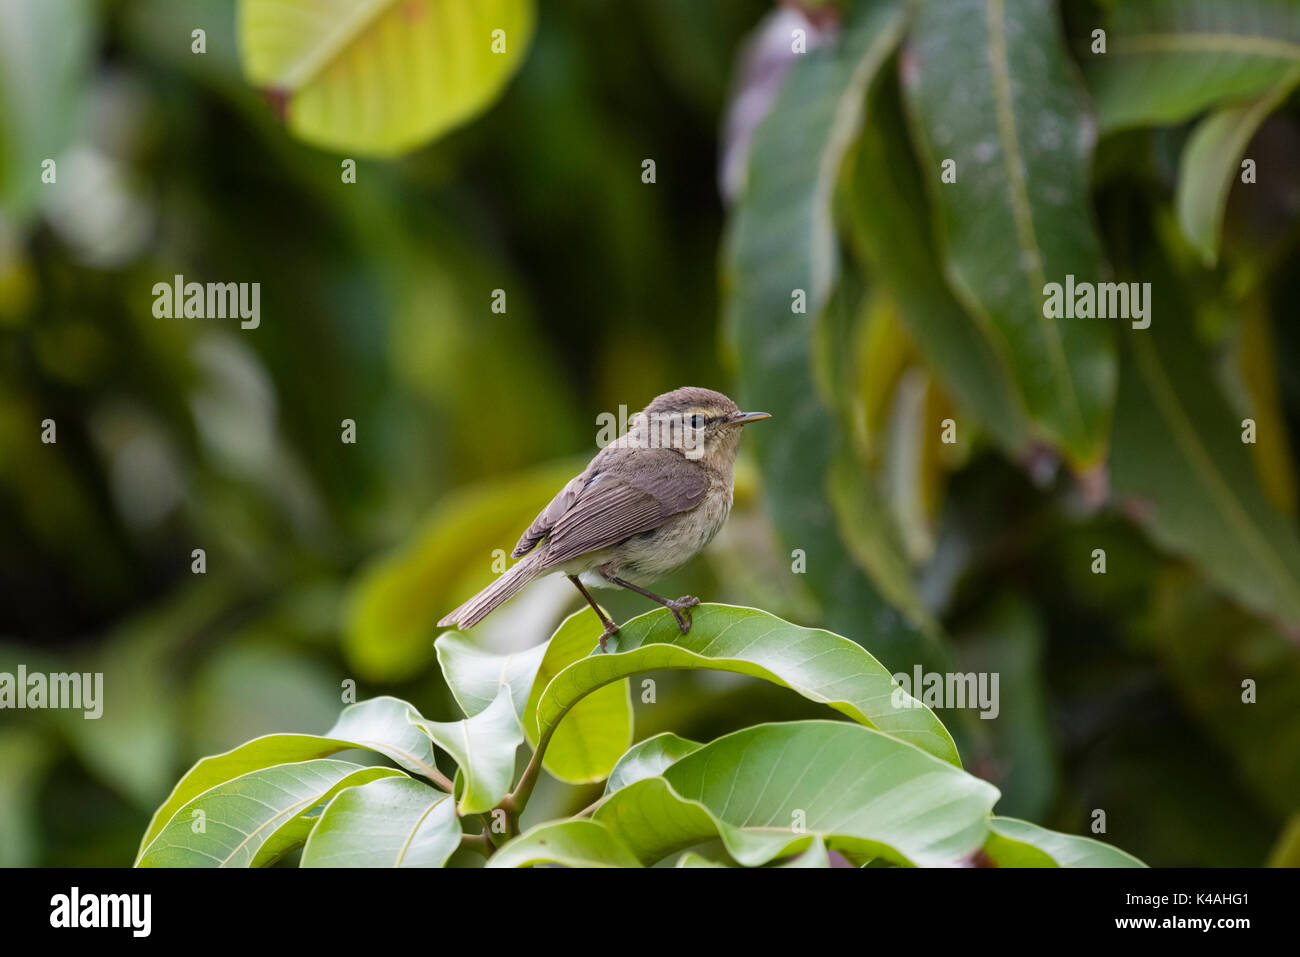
610,630
681,609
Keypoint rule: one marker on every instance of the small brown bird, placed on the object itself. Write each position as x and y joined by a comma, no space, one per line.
645,505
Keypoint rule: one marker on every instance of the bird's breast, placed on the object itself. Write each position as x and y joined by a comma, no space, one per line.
679,539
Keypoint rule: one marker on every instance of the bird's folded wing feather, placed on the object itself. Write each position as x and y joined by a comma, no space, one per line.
603,507
548,516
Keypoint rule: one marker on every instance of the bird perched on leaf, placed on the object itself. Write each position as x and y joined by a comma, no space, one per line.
645,505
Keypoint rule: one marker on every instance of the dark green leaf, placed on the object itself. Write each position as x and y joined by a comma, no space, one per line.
991,87
1166,60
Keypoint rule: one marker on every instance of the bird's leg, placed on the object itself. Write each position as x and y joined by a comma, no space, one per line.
610,627
681,607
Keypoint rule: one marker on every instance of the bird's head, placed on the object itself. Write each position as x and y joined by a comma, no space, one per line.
701,424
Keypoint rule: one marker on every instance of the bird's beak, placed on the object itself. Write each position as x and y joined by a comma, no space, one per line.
744,418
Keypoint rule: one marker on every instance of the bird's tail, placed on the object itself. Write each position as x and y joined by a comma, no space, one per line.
504,588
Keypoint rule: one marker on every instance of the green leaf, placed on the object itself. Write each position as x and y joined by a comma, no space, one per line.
1166,60
780,243
691,859
599,728
1014,843
864,793
392,822
817,664
990,86
648,759
256,818
854,345
476,676
576,843
393,609
378,724
1180,467
483,746
381,77
814,856
1211,162
885,196
870,534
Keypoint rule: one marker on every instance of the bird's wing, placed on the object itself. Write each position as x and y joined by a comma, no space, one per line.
548,516
605,506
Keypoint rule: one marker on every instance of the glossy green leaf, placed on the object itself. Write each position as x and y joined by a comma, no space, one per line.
381,724
254,819
815,856
575,843
1166,60
1210,164
780,269
378,724
395,605
897,241
483,747
817,664
767,790
691,859
475,676
648,759
391,822
587,747
1181,469
381,77
1014,843
991,86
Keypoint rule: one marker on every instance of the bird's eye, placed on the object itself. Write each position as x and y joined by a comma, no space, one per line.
697,421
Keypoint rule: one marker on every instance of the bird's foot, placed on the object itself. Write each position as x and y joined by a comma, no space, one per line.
681,609
610,629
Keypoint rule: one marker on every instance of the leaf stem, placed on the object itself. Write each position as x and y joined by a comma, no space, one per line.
515,802
478,842
441,780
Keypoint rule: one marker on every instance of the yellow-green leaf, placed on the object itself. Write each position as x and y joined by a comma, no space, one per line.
599,728
381,77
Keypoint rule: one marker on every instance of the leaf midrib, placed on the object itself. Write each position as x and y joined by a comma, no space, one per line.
1021,211
406,845
289,812
1238,519
360,18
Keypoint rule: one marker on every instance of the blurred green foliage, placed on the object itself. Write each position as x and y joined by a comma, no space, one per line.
328,562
